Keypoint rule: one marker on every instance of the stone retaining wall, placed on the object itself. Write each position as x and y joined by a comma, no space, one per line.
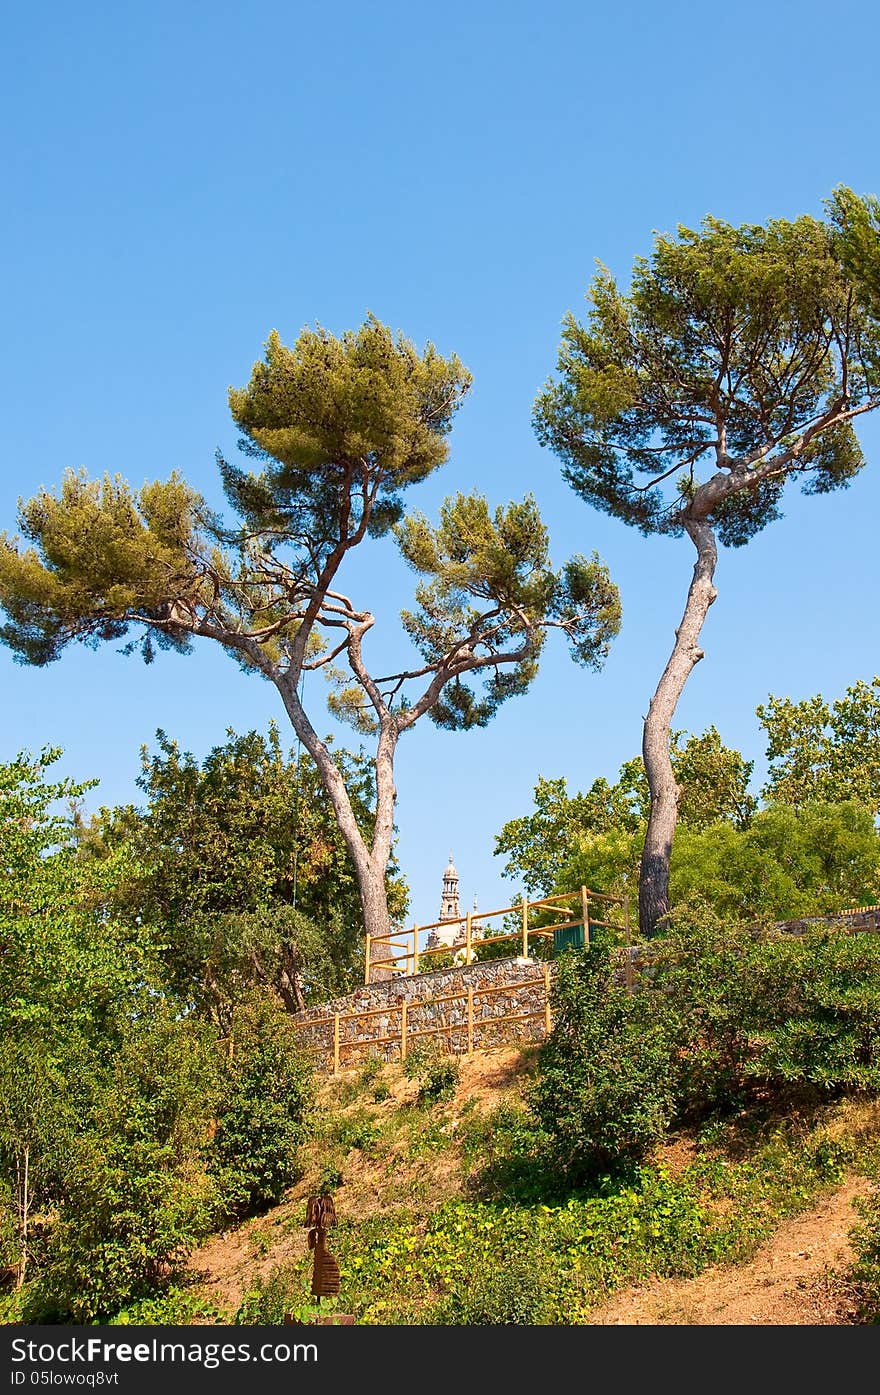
854,921
488,995
489,1004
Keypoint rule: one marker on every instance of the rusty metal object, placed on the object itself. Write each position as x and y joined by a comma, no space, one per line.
320,1215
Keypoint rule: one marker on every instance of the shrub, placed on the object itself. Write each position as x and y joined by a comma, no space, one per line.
604,1090
136,1197
864,1274
508,1291
353,1131
437,1074
439,1081
264,1111
751,1010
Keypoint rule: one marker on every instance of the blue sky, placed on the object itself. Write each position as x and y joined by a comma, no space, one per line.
180,179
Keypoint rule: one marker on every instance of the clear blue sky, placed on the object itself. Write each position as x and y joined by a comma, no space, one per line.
181,178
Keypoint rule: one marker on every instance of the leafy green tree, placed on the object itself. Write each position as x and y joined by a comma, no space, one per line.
601,830
135,1196
264,1113
791,861
736,363
341,427
822,751
69,968
243,870
35,1126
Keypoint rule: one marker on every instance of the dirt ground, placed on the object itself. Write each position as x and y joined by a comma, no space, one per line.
795,1279
228,1262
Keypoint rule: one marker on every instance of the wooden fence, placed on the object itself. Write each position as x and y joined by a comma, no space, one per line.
459,1036
464,948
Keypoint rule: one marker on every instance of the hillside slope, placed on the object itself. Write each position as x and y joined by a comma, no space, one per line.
386,1154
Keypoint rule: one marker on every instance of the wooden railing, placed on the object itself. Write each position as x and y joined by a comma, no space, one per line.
404,1034
412,957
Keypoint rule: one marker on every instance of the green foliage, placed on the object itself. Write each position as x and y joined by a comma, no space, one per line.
604,1092
341,427
464,1261
68,964
263,1115
595,839
436,1072
824,752
103,555
745,350
512,1291
439,1081
243,870
791,861
506,1153
754,1014
272,1300
502,558
134,1199
420,1058
791,858
314,410
176,1305
330,1178
353,1131
864,1272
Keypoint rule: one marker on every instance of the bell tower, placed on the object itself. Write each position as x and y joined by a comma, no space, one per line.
449,907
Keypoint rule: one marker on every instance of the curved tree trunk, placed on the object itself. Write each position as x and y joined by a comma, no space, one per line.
657,735
370,864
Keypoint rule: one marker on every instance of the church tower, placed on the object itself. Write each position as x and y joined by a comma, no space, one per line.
449,907
450,911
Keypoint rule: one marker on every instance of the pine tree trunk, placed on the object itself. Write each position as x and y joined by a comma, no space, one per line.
370,864
657,735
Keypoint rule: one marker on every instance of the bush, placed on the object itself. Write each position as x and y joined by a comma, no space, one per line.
437,1074
136,1197
604,1093
264,1111
353,1131
754,1011
864,1274
439,1081
508,1291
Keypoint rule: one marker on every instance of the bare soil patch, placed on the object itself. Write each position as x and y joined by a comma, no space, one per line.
795,1279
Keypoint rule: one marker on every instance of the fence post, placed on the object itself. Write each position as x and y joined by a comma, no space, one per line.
585,909
336,1043
548,1025
367,959
467,953
403,1029
470,1021
415,935
525,932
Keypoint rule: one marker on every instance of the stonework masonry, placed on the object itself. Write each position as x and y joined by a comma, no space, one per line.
477,1003
473,1007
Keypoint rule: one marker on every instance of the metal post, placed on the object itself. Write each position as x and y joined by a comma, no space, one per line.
470,1002
468,939
585,908
525,932
403,1029
336,1043
367,960
548,1025
415,949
